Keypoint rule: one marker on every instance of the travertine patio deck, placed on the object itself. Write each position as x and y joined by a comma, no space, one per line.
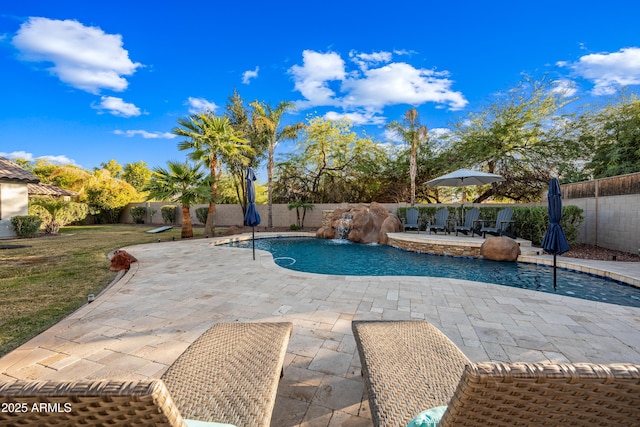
177,290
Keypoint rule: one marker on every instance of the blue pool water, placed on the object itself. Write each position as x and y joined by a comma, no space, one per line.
341,257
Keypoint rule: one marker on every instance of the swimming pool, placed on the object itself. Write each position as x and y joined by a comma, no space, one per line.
342,257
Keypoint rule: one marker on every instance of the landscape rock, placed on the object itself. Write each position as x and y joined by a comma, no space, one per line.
362,224
121,260
500,249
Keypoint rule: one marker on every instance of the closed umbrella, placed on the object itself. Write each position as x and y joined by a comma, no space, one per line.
554,241
464,177
252,217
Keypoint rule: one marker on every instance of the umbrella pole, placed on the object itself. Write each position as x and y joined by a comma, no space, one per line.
554,272
253,241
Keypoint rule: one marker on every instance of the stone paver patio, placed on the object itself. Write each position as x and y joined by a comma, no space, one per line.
177,290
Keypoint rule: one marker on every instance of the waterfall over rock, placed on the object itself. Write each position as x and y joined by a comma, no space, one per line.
361,223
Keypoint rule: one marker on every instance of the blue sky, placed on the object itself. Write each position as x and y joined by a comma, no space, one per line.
87,81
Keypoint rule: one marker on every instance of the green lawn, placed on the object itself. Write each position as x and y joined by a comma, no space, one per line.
50,278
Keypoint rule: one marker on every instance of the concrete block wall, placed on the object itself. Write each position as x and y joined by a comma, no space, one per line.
611,222
228,215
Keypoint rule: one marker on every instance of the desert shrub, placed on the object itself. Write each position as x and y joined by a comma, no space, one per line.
138,213
201,214
168,214
26,225
55,213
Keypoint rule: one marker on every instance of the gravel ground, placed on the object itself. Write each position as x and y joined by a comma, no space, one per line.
596,252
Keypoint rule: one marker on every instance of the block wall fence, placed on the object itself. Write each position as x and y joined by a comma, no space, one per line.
611,222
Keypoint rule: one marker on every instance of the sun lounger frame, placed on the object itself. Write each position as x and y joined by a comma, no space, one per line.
230,374
410,366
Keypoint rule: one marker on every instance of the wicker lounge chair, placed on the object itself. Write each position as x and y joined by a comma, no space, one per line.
228,375
411,366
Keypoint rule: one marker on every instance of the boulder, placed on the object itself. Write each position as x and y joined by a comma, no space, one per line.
121,260
362,224
500,249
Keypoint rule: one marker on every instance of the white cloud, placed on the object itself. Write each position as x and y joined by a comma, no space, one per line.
56,160
392,136
117,107
365,60
248,75
200,105
145,134
358,118
401,83
564,87
313,77
608,71
17,155
84,57
324,80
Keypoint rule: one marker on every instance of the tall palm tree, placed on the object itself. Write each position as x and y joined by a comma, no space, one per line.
211,138
181,183
267,121
415,135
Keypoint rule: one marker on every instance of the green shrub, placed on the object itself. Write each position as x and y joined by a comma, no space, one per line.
201,214
532,222
56,213
168,214
295,227
138,213
26,225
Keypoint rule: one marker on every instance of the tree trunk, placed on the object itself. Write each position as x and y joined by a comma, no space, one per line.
187,228
412,174
270,185
210,226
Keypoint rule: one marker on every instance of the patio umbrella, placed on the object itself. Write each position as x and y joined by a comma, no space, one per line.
464,177
252,217
554,241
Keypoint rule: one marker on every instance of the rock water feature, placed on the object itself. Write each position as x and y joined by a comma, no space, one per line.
362,224
344,225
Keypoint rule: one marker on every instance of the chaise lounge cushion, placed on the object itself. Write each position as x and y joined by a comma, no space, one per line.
429,418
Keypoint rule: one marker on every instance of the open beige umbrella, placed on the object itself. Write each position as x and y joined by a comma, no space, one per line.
463,178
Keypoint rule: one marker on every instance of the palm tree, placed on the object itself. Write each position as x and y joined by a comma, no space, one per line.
297,205
415,135
211,139
267,121
181,183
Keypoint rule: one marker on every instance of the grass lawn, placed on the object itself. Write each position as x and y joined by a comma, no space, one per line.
52,276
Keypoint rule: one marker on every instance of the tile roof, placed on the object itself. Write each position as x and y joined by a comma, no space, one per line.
13,172
48,190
